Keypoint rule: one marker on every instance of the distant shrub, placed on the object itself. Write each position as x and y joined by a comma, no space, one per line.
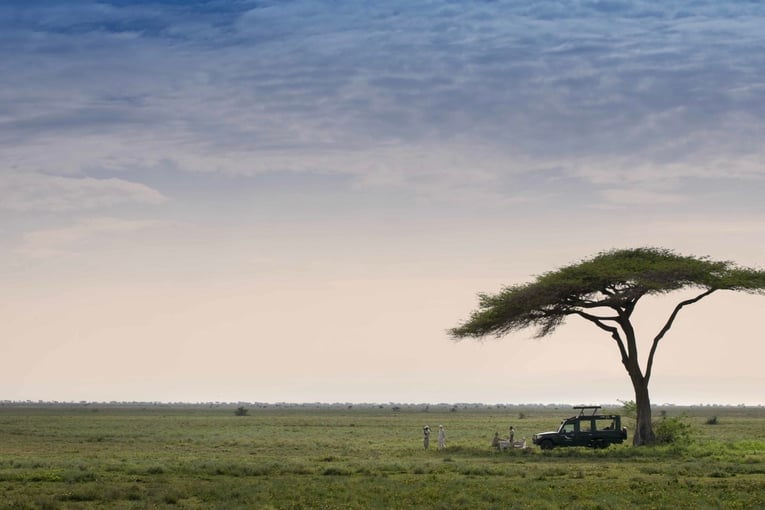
170,499
88,494
629,408
711,421
78,476
672,431
240,411
521,416
336,471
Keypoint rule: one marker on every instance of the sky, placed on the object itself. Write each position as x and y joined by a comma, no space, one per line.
294,200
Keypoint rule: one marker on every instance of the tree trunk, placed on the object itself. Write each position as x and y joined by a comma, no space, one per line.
644,429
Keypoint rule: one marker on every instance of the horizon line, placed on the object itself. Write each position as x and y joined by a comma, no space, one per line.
338,403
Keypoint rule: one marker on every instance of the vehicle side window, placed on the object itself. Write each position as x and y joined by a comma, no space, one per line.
568,428
585,426
604,424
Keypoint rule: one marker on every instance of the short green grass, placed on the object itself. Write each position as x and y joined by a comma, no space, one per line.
327,457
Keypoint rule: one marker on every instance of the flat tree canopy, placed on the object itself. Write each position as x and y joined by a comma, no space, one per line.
605,290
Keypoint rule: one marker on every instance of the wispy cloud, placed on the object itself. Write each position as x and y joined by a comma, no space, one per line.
630,197
70,240
26,192
246,88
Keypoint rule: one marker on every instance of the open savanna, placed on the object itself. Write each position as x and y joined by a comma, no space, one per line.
361,456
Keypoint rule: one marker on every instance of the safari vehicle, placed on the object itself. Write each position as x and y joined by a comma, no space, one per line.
590,430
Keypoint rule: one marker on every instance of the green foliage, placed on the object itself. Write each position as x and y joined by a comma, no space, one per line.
616,278
240,411
629,408
712,420
672,431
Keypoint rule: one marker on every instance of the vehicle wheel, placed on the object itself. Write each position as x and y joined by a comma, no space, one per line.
546,445
600,444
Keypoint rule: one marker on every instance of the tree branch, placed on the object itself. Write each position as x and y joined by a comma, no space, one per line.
598,321
595,318
590,304
655,344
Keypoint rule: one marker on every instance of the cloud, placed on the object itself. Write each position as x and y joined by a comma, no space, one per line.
315,86
630,197
70,240
27,192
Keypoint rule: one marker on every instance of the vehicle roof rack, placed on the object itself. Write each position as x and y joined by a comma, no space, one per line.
583,408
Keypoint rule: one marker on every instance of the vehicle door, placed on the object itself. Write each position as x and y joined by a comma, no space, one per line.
585,434
568,433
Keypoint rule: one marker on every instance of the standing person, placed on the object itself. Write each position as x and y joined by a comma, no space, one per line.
426,436
511,436
441,437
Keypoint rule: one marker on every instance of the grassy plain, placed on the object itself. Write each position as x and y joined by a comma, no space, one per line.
306,457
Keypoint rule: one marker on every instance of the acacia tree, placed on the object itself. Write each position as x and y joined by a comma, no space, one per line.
605,290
